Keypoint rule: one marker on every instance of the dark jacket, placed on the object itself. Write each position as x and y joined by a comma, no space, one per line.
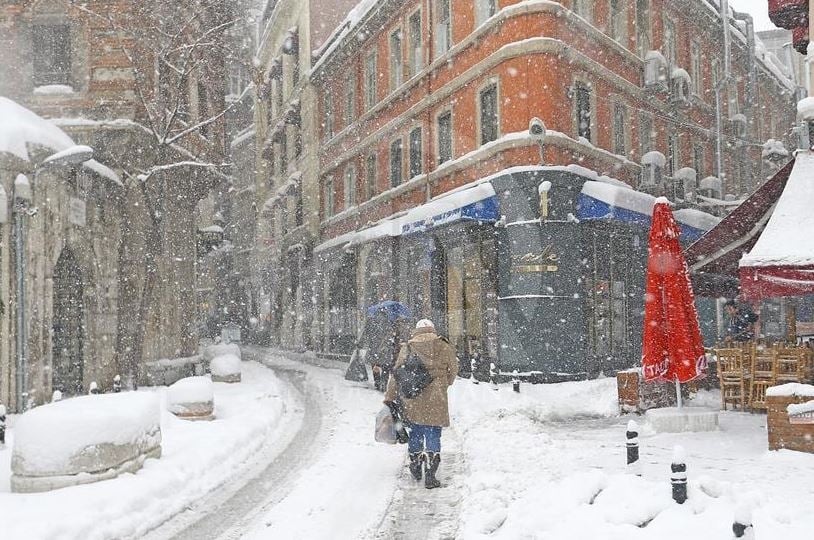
739,327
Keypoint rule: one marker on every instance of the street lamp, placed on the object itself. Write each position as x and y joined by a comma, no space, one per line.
22,197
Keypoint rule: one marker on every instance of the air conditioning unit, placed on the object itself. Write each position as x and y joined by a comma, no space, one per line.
655,70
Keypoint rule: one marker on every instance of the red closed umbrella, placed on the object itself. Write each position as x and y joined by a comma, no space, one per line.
673,350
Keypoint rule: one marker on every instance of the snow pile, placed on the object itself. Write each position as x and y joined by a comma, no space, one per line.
54,89
787,238
654,158
790,390
225,368
191,397
805,109
220,349
197,457
69,437
773,148
801,408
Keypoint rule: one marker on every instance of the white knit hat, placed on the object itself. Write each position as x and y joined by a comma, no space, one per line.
425,323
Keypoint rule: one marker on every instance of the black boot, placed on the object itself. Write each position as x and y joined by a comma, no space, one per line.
416,464
431,462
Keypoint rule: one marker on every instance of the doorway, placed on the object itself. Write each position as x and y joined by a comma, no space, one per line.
68,335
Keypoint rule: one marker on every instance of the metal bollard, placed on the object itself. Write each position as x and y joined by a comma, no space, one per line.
515,381
2,426
473,365
632,436
94,388
56,396
742,521
117,384
493,374
679,476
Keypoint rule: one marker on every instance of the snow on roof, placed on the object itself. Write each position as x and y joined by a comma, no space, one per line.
696,218
22,128
350,22
787,238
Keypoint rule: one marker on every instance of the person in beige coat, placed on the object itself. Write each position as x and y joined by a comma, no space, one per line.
427,413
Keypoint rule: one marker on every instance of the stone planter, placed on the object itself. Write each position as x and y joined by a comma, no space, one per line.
192,399
226,368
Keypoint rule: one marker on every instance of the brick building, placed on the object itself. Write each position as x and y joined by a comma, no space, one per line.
105,74
420,100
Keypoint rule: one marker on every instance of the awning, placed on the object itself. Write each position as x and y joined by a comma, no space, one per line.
713,259
603,201
781,262
477,203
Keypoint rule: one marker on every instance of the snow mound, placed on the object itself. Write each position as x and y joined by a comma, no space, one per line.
220,349
85,434
791,390
805,109
225,368
189,390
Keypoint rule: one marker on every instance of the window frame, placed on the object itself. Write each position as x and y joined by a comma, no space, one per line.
616,32
371,174
415,160
696,69
49,59
484,9
371,79
584,8
398,168
491,83
443,41
328,196
448,111
575,116
646,121
328,111
396,58
350,98
349,185
643,46
415,59
619,132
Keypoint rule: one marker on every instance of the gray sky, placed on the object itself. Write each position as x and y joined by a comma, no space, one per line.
758,9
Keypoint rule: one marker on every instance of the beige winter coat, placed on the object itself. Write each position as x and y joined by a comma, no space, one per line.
431,407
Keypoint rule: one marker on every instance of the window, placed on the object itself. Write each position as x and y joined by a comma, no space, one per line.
52,54
443,27
582,107
584,8
371,76
328,197
483,10
670,42
734,101
673,157
695,69
618,20
619,123
350,186
714,74
698,161
370,181
350,99
283,152
444,137
396,62
643,27
416,165
646,134
395,163
203,108
416,52
488,114
328,112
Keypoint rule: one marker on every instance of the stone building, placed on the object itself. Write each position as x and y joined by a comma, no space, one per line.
426,147
287,123
107,74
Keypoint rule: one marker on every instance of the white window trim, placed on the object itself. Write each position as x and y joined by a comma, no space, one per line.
394,84
414,71
436,23
371,100
479,114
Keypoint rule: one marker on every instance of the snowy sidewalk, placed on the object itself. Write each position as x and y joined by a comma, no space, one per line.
197,459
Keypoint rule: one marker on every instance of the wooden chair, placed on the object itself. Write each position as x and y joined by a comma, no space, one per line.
732,376
791,365
764,375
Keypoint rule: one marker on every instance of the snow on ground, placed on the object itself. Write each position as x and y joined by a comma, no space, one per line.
549,463
344,492
197,458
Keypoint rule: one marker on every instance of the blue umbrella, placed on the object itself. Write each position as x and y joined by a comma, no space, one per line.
395,310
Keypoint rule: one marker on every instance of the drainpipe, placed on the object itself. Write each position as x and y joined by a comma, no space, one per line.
719,88
751,82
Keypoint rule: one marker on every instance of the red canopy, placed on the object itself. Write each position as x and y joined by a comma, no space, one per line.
781,263
673,349
714,258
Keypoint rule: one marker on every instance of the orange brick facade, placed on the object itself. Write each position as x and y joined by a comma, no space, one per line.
535,52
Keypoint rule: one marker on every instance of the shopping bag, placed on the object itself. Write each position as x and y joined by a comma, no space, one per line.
357,371
386,427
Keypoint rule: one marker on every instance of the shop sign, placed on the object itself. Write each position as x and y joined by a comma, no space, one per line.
545,261
76,212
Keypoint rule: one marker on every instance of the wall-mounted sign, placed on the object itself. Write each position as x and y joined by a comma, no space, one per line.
76,212
545,261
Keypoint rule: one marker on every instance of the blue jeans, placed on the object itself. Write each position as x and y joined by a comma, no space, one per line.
424,438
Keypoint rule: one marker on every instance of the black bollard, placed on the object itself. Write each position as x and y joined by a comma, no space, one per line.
94,388
515,381
473,365
493,373
117,384
632,436
2,426
743,520
679,476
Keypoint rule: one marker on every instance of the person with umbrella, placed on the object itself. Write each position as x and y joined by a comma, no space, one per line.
380,339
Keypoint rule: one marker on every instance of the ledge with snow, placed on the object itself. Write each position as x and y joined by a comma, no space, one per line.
84,440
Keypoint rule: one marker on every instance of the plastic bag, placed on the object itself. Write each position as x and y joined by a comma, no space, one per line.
385,427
